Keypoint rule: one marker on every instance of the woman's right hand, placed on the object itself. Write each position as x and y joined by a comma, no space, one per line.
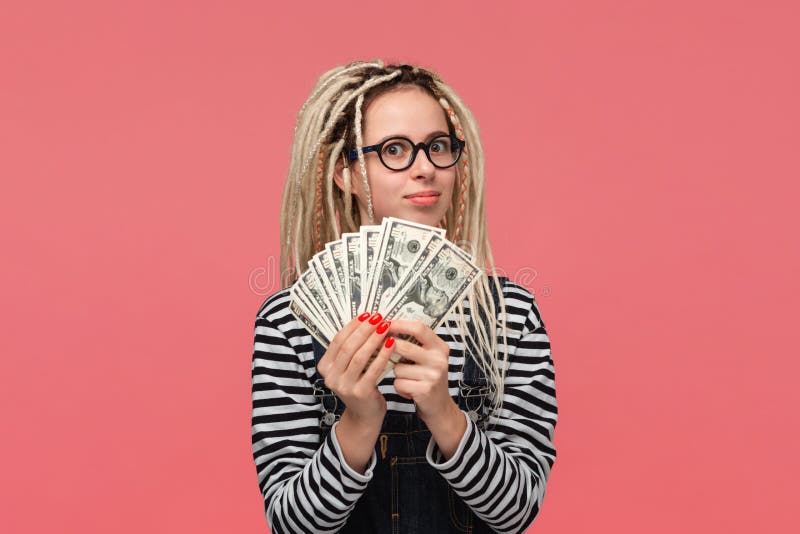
343,367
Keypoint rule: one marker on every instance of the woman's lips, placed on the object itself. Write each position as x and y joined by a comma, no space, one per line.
426,198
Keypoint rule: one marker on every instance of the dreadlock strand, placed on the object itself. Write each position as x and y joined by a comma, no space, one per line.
318,203
348,198
361,163
316,114
463,174
462,200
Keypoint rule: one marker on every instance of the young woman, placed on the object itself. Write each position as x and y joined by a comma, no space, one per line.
459,438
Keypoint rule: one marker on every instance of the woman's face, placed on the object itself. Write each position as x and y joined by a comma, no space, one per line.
413,113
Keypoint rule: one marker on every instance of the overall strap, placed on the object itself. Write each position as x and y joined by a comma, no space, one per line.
474,387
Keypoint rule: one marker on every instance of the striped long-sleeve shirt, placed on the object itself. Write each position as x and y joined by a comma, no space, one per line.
501,472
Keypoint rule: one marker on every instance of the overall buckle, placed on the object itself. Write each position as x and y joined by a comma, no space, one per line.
329,417
474,397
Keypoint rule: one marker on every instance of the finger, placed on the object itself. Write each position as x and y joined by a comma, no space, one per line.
326,363
410,351
342,336
355,341
411,372
379,363
409,387
416,329
362,356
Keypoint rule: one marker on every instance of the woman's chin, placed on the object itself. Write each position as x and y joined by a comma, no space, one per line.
422,217
426,217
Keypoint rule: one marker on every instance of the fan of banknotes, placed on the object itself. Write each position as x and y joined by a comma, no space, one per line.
400,269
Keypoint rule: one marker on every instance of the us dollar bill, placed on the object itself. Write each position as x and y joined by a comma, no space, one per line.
310,303
311,316
309,324
315,293
445,277
370,236
442,282
351,243
402,243
326,277
431,248
336,251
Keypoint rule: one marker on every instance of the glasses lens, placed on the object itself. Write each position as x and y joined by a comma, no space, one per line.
396,153
444,152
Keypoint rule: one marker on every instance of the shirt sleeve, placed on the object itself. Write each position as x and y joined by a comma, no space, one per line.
502,472
305,481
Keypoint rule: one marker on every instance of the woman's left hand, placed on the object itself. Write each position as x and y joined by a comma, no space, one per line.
425,380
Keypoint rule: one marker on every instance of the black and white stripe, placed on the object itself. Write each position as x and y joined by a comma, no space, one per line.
501,472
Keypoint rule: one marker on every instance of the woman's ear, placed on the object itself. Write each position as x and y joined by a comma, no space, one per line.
337,174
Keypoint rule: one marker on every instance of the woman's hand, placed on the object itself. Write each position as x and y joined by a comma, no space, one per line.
344,362
425,380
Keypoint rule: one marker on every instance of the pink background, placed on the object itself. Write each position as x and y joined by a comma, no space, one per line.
642,167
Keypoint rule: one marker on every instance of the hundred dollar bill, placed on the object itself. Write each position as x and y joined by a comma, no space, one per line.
402,243
352,274
336,251
326,276
370,236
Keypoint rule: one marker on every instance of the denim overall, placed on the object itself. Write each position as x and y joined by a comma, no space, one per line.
407,495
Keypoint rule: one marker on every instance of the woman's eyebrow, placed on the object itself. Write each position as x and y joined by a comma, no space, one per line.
427,138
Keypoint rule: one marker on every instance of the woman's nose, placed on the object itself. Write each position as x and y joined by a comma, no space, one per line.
422,167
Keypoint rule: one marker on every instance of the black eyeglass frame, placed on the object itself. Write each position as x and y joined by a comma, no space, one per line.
415,148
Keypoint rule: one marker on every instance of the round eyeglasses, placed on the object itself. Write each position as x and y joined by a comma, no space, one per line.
399,153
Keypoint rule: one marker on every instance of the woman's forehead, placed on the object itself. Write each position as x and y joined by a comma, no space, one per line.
410,112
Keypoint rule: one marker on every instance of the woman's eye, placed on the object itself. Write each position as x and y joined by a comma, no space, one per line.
440,146
394,149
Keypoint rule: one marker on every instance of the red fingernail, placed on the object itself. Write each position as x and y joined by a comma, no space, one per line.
383,327
389,342
363,316
375,319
